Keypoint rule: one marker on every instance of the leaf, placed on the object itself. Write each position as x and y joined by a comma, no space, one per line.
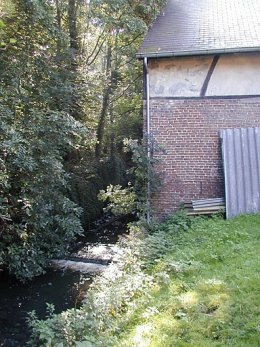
2,24
84,344
12,41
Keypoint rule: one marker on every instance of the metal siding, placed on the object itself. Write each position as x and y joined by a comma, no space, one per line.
241,162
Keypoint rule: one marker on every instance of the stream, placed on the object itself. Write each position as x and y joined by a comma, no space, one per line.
60,287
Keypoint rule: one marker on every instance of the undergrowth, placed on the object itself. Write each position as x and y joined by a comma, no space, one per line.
186,283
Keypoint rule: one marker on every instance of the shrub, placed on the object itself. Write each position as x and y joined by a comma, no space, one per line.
110,298
120,200
37,220
114,295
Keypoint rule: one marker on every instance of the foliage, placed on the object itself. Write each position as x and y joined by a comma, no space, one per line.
96,322
200,290
209,294
121,200
89,177
69,79
37,220
113,298
116,75
161,239
143,172
133,198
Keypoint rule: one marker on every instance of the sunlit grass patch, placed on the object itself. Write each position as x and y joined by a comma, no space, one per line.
187,284
212,297
189,299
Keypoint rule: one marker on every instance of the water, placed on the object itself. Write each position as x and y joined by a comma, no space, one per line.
61,288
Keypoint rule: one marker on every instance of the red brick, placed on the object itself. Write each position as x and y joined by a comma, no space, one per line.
188,130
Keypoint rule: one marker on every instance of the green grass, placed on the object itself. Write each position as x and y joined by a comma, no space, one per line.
210,289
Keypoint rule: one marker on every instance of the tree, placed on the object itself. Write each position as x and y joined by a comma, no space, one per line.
37,219
69,79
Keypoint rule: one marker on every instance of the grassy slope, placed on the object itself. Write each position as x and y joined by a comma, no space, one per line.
212,297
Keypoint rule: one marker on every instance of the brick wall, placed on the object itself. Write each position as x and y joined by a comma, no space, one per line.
188,131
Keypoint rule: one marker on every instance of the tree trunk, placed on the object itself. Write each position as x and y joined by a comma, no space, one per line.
73,25
58,18
105,104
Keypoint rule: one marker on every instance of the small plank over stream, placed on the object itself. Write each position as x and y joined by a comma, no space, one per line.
92,258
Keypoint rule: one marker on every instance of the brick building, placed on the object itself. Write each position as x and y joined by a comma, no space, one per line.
202,74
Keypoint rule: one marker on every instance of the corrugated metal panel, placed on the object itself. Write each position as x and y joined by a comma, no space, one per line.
241,161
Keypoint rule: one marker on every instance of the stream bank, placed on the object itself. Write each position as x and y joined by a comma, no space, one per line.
60,286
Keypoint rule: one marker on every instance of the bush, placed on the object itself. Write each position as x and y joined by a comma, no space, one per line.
115,295
37,220
120,200
110,298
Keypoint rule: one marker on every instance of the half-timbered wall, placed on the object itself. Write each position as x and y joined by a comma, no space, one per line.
186,123
226,75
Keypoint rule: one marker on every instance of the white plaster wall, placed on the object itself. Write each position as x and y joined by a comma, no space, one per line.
237,74
175,77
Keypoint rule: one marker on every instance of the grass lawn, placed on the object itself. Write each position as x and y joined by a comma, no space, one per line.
210,289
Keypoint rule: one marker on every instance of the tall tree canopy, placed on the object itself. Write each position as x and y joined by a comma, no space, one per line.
69,80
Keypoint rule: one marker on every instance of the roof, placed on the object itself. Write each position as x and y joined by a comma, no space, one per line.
193,27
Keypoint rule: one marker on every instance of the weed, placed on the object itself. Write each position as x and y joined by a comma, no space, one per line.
186,284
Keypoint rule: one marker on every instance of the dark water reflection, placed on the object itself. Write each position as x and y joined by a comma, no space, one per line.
56,287
60,288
